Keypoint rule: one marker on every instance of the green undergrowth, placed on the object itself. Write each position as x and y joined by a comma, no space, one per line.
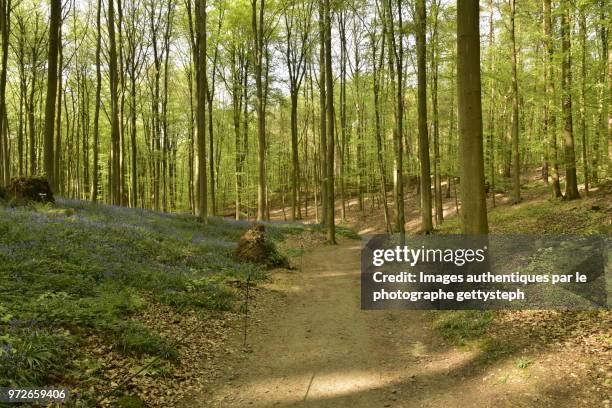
341,230
73,269
544,215
461,327
537,214
346,232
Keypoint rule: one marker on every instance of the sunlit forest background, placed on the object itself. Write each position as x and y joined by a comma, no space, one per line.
130,64
162,128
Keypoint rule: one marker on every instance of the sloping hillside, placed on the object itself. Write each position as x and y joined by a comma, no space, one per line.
91,294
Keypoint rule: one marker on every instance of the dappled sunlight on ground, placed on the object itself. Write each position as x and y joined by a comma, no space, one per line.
315,347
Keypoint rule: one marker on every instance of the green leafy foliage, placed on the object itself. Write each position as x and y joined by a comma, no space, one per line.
28,353
523,362
74,268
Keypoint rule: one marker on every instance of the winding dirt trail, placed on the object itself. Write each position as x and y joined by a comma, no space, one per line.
312,346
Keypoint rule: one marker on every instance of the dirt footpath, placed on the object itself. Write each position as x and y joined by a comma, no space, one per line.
312,346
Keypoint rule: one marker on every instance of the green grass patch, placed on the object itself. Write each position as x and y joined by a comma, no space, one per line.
133,338
462,327
341,231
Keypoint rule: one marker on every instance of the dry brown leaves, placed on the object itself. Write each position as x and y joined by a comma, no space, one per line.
200,363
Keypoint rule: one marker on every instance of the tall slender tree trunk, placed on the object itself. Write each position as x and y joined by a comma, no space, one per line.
600,127
123,194
473,198
257,18
571,183
435,116
377,67
22,102
237,101
54,40
322,113
133,142
201,108
115,170
516,164
32,121
583,131
491,121
95,187
341,156
297,26
605,69
329,108
57,153
295,160
396,67
166,159
211,148
210,94
85,130
5,21
550,117
426,223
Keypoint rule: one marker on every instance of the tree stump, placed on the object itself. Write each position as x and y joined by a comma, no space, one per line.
28,189
254,247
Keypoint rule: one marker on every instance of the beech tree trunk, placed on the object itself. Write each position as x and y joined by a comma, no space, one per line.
550,117
377,68
571,183
473,198
396,67
95,187
54,40
257,17
491,121
201,107
583,130
5,22
435,116
426,223
329,108
516,164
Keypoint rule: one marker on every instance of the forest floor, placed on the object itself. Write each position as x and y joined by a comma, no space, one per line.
135,308
124,307
310,344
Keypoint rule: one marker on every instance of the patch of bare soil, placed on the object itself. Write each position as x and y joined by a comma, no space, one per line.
310,345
